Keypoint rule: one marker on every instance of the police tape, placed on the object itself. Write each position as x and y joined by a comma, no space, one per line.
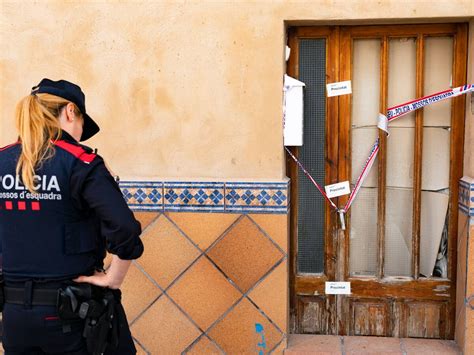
403,109
321,190
360,180
392,114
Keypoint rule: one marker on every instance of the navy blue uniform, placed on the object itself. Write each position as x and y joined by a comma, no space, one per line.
58,233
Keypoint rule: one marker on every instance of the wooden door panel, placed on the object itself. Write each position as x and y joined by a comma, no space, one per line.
316,314
426,319
369,317
312,311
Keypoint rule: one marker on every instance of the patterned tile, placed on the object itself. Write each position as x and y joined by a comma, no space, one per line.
194,196
244,330
204,293
164,329
203,228
280,349
136,302
276,226
466,195
204,347
245,254
167,252
256,197
145,218
230,197
140,350
143,196
271,296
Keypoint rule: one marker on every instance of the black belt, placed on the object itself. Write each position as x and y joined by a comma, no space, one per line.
39,296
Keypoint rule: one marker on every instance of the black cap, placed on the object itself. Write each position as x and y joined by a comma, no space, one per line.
73,93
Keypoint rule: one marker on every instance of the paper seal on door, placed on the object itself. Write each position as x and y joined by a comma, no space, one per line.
339,189
340,88
338,288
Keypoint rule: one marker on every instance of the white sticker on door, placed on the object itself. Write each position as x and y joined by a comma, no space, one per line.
339,189
340,88
338,288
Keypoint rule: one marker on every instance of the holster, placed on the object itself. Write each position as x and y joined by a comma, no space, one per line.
98,307
71,297
101,331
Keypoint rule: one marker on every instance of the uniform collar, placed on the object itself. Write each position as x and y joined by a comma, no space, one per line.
67,137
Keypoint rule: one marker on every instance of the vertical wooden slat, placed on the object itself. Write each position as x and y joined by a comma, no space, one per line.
345,64
458,106
331,152
418,154
382,161
333,252
292,171
458,115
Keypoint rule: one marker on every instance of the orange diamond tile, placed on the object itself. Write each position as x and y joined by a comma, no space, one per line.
164,329
276,227
204,347
203,228
140,350
280,349
145,218
237,332
271,296
167,252
204,293
135,302
245,254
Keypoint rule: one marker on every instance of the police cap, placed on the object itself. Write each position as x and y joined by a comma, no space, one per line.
73,93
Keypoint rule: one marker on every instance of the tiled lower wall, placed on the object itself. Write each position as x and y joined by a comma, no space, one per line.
465,268
210,283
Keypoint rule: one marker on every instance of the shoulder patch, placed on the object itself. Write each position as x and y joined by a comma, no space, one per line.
8,146
76,150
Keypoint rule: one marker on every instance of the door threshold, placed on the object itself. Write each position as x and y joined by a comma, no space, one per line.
299,344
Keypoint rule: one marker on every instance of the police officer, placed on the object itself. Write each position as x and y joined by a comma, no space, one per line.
60,209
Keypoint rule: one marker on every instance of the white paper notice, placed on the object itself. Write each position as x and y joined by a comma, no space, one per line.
338,288
293,112
339,189
341,88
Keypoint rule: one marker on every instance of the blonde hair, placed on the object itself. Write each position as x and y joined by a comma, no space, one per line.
37,122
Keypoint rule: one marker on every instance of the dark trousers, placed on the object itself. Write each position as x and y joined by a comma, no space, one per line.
38,330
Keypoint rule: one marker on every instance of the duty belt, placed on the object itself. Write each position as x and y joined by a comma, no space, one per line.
34,297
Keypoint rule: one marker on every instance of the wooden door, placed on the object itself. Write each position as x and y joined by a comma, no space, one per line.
405,215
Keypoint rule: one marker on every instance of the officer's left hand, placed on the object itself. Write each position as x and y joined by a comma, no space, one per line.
114,276
100,278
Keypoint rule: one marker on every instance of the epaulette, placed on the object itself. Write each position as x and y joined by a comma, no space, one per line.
8,146
79,151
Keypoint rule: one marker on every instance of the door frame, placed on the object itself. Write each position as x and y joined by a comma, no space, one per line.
338,165
315,284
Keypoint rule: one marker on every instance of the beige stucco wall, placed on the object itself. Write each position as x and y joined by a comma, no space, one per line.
186,90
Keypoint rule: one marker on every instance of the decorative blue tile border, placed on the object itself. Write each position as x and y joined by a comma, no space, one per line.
194,196
143,196
256,197
230,197
466,196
